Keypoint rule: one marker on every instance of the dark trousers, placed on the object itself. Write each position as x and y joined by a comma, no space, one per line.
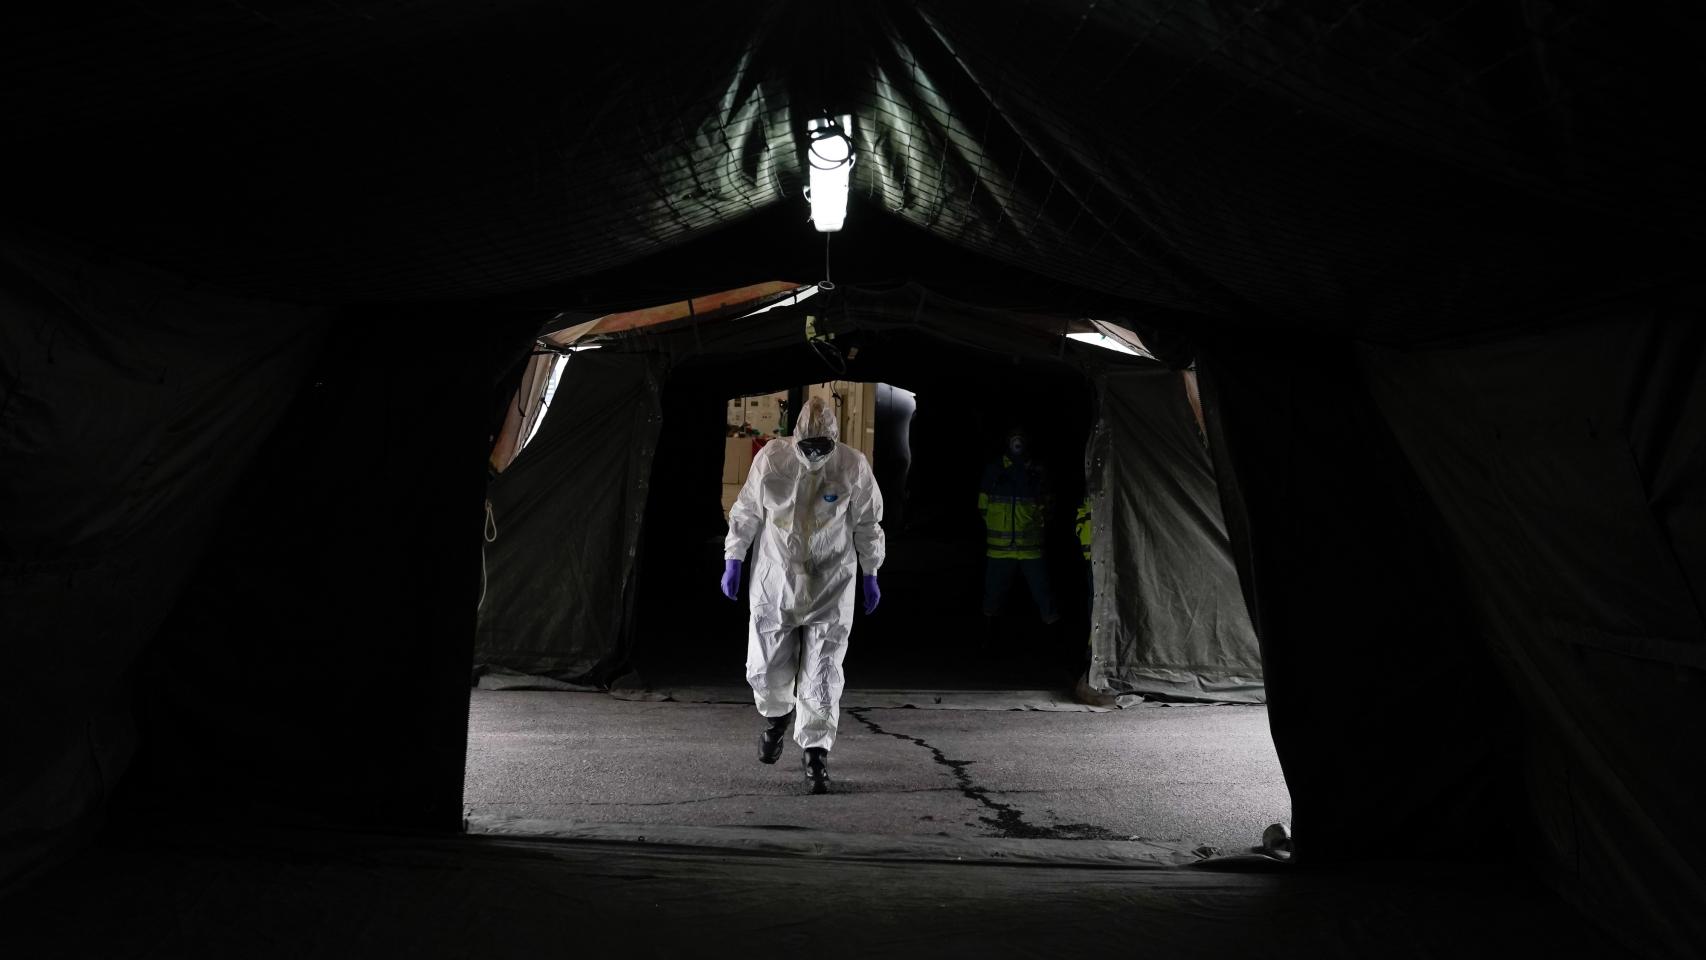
998,575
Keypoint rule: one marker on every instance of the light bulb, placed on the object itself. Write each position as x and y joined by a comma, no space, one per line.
829,163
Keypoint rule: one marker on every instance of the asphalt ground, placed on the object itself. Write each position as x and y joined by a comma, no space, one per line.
1006,789
1186,776
337,895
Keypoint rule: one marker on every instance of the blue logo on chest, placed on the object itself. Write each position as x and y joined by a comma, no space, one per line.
830,497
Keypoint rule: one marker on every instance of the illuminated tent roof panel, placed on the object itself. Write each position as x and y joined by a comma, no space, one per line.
1345,165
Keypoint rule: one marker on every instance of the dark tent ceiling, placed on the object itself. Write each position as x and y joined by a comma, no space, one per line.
1368,166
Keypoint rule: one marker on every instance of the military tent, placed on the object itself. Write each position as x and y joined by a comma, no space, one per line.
270,274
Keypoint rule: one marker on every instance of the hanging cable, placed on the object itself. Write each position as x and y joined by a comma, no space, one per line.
823,344
490,535
831,356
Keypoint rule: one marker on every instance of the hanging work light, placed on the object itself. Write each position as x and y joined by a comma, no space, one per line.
829,157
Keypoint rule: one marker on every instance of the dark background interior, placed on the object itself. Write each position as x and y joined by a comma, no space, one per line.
929,631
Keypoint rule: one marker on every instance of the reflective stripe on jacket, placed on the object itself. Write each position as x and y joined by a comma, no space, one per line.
1083,527
1013,502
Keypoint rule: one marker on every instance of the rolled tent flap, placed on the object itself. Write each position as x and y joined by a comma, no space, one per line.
1168,617
523,413
560,569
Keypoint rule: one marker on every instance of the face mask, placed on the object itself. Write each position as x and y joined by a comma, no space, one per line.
816,448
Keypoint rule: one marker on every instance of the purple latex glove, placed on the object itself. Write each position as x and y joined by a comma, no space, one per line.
868,586
731,579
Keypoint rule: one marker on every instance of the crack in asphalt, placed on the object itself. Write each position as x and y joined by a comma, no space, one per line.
622,803
692,800
1008,820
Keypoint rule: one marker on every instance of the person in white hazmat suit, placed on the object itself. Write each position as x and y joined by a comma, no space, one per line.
812,511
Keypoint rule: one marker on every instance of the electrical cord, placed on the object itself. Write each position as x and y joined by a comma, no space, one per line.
831,356
490,534
826,349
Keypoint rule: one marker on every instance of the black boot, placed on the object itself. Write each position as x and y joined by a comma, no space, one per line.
775,735
816,763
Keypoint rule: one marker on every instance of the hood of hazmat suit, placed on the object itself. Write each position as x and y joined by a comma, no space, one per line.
817,420
812,522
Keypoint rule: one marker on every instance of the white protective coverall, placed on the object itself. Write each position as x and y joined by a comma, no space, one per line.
814,525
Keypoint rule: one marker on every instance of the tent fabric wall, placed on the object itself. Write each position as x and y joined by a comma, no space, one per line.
1394,728
1570,471
1171,617
1168,615
1501,540
315,670
560,573
133,401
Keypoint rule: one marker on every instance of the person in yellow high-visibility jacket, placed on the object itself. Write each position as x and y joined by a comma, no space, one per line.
1083,526
1014,501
